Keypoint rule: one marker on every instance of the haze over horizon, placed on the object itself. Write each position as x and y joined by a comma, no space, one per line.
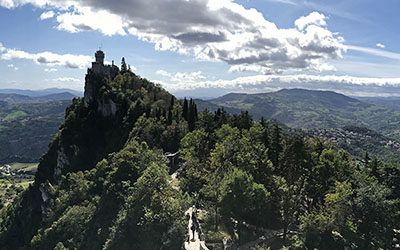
207,48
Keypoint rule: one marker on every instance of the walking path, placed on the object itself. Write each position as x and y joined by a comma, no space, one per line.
194,242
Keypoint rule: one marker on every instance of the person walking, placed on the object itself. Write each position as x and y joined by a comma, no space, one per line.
193,228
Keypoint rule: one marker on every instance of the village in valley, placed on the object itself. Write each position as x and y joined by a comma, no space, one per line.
15,178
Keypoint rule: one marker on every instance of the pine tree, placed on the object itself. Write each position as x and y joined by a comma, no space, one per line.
275,143
366,159
172,102
263,122
124,68
375,167
169,117
192,115
185,109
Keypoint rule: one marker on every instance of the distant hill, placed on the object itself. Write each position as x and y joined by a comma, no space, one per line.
17,98
310,109
38,93
26,127
390,102
358,140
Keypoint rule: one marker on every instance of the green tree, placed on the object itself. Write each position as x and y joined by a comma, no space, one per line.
244,200
195,152
333,225
185,109
154,218
275,145
375,213
124,68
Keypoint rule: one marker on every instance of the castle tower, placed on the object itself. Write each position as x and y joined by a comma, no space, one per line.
99,57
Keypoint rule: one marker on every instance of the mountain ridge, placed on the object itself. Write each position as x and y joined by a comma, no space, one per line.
42,92
307,109
18,98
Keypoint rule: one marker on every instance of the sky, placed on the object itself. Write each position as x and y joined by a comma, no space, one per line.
206,48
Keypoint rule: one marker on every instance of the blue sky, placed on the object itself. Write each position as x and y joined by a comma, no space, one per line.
206,48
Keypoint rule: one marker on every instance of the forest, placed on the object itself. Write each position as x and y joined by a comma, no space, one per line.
106,182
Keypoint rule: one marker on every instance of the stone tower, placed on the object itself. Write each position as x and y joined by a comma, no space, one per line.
99,57
100,69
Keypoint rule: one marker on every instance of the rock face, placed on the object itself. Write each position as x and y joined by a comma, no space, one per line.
62,162
45,189
107,107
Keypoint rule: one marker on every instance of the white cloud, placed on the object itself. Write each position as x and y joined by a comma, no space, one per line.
313,18
182,77
163,73
207,29
47,15
86,19
64,82
263,83
50,70
375,52
12,66
2,48
290,2
46,58
380,45
66,79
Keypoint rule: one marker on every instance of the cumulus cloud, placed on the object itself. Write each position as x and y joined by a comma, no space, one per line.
86,19
46,58
314,18
182,77
47,15
206,29
380,45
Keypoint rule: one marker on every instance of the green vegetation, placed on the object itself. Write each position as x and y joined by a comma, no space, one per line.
14,181
105,182
359,140
316,196
24,167
11,188
14,116
27,128
307,109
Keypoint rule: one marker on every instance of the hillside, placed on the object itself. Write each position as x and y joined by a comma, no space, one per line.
28,122
130,160
39,93
13,98
26,128
309,109
390,102
360,140
96,136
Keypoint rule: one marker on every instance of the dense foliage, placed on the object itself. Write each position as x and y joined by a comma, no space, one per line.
319,197
105,182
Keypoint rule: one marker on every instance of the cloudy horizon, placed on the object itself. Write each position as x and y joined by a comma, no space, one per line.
205,48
